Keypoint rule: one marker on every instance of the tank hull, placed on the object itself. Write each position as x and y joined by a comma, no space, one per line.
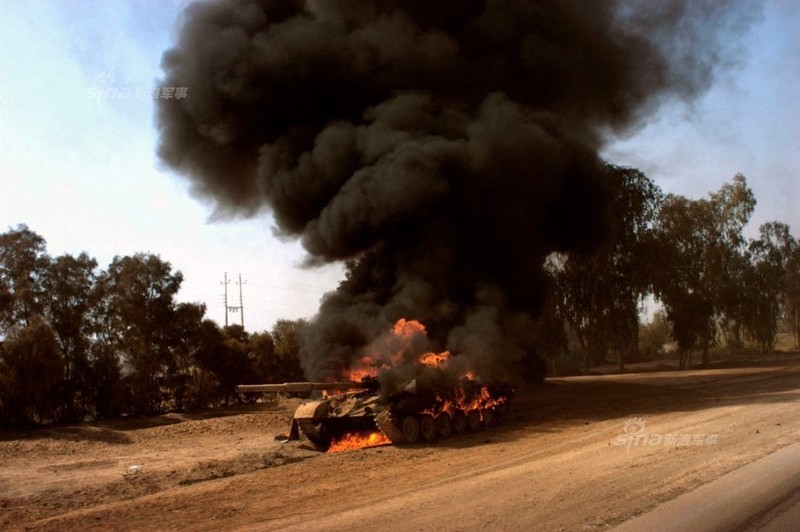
404,418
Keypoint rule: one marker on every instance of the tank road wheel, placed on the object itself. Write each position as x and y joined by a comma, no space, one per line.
473,420
459,422
410,429
427,427
444,425
487,414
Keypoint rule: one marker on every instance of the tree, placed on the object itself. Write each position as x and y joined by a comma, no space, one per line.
185,378
683,285
209,357
700,247
140,302
286,337
68,284
109,395
551,342
31,368
233,365
601,290
765,289
23,257
263,360
653,336
792,294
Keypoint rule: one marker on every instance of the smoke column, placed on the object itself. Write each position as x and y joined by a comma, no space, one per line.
442,148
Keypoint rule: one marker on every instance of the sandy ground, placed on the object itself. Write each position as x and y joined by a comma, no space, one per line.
763,495
577,453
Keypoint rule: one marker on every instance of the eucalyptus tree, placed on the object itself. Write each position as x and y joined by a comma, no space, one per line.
792,296
700,250
68,287
286,339
139,293
31,370
600,290
23,257
766,292
185,379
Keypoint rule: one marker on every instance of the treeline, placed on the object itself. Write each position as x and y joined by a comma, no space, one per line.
77,342
714,285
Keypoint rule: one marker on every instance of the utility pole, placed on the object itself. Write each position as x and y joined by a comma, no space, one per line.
225,284
241,304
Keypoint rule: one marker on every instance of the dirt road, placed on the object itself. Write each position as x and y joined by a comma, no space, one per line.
762,495
574,454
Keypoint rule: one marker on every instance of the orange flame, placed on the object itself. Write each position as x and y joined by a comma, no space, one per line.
359,369
458,400
358,440
434,359
387,352
407,328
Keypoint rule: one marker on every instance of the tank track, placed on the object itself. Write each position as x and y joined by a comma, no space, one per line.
388,425
311,431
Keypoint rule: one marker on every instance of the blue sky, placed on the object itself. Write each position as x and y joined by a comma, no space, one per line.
78,164
748,122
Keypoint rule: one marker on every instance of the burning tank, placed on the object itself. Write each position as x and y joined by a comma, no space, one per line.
358,412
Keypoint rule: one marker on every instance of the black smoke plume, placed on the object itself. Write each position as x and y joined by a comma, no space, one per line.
442,148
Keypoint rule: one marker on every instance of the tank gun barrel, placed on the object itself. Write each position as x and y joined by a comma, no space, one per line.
306,387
